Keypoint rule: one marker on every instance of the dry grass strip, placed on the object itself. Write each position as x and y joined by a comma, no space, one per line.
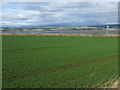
47,34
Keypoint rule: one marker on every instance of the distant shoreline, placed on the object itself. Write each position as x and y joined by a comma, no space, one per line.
113,35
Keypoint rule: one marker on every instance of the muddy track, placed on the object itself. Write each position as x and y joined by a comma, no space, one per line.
41,48
36,48
52,85
51,70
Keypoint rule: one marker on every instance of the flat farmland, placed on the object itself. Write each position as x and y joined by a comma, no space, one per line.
58,61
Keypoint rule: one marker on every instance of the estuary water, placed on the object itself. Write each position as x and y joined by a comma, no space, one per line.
84,32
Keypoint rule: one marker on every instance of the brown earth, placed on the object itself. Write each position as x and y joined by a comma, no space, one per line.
114,85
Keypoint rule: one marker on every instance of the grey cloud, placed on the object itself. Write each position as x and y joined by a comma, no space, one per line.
63,13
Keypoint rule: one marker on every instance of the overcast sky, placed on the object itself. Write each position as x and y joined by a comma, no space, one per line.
58,13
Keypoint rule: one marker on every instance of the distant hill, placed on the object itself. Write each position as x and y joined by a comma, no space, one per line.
56,25
110,25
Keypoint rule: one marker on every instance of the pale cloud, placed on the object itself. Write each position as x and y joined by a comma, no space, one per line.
61,1
68,13
14,23
1,14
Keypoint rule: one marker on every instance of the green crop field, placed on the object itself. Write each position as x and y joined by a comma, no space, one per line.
59,61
